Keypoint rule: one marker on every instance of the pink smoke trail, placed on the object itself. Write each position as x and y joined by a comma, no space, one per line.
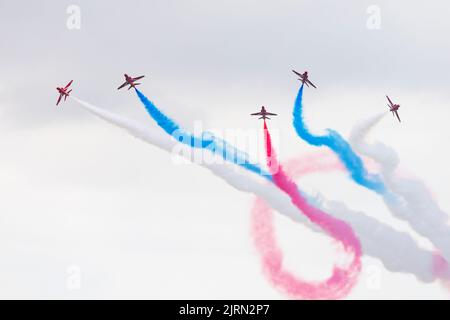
342,280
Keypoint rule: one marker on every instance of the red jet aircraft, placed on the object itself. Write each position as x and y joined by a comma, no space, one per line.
63,92
130,81
263,113
393,108
304,78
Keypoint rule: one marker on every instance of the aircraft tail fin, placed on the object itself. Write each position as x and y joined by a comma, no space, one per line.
67,94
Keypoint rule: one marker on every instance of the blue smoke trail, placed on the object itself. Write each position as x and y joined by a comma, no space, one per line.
339,146
207,141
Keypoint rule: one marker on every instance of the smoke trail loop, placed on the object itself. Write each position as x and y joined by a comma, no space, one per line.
342,279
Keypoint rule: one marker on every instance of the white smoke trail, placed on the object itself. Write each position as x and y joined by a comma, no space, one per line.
377,239
407,198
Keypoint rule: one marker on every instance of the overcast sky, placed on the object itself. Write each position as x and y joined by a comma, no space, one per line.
78,192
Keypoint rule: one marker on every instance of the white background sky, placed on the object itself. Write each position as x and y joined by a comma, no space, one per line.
78,192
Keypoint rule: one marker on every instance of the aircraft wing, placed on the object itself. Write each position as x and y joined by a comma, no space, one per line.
300,75
123,85
398,117
270,114
311,84
256,114
59,99
389,100
137,78
68,85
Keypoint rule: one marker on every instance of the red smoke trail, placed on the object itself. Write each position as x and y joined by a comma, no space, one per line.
342,280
